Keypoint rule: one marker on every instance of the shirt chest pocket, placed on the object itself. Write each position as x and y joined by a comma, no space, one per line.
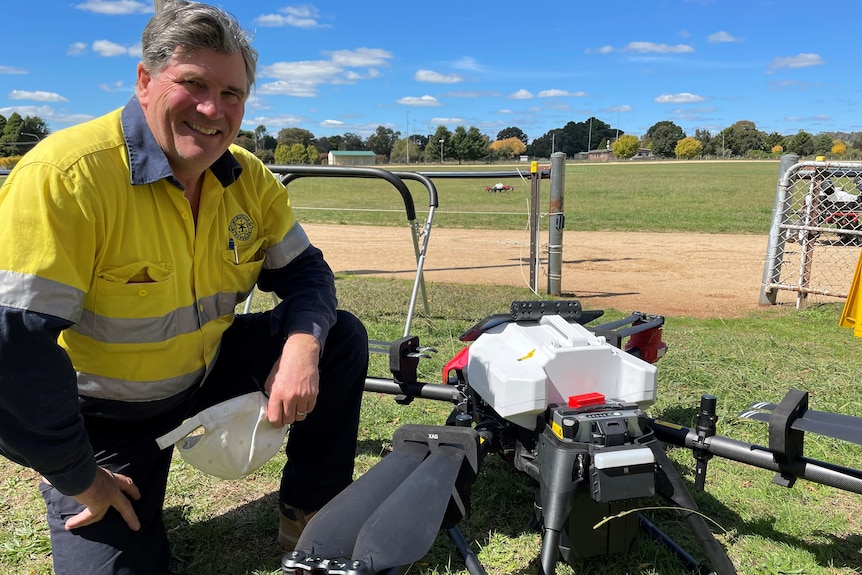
135,303
241,265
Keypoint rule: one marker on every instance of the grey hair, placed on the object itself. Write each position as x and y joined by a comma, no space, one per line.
191,26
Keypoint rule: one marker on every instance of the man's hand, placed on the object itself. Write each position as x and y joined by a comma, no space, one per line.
107,490
293,381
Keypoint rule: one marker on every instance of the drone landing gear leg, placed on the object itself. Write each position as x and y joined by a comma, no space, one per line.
669,484
470,559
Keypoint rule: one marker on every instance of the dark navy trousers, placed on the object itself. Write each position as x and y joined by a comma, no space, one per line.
320,450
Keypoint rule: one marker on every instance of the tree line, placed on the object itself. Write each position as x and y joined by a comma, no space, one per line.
663,139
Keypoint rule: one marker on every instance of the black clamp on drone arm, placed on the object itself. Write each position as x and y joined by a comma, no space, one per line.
705,428
786,443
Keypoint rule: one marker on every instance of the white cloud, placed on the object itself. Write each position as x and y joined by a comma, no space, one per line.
302,78
39,96
116,7
275,122
110,49
77,49
798,61
652,47
721,37
436,77
560,94
467,63
444,121
11,70
331,124
521,95
619,109
360,57
421,101
294,16
681,98
285,88
47,113
118,86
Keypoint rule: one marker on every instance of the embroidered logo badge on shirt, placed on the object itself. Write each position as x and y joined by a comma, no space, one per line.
241,227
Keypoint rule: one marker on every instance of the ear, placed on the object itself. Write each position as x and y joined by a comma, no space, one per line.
142,86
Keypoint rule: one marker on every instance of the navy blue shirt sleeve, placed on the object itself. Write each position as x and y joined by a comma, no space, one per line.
306,287
40,421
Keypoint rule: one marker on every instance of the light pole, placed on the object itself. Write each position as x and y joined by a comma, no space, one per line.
441,150
407,137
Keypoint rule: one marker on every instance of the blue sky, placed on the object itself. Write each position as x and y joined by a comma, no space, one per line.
347,66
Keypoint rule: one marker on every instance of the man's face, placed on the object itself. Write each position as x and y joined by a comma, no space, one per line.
194,107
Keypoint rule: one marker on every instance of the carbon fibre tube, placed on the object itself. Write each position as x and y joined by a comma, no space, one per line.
436,391
821,472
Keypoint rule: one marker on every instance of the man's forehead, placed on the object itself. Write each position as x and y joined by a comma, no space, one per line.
205,62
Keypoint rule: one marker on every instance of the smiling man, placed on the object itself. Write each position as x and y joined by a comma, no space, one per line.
127,242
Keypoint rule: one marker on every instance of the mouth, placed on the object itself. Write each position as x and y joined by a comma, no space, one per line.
202,130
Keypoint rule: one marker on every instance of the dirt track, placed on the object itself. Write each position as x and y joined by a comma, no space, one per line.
697,275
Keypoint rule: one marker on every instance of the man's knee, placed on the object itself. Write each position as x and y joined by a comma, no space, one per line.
349,335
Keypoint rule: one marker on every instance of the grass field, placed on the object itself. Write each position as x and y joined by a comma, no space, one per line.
709,197
228,527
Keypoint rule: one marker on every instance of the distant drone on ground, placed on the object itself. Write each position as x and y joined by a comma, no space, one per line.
499,187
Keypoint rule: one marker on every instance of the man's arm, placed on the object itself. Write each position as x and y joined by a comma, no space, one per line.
307,311
306,287
40,423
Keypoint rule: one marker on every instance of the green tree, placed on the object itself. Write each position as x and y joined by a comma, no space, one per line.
512,132
281,154
312,155
469,144
662,138
381,141
802,144
822,144
441,140
297,154
743,137
626,146
707,141
351,142
400,150
291,136
245,141
259,136
775,139
11,134
266,156
688,148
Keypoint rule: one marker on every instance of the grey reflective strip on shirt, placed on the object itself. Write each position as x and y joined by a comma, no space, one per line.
32,293
291,245
124,390
155,329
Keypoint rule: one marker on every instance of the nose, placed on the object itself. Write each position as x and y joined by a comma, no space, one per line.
210,106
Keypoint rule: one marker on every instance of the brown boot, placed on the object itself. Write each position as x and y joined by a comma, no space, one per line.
291,522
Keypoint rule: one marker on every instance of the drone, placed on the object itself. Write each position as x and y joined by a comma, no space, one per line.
499,187
565,403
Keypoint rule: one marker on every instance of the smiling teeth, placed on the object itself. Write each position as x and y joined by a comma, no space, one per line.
202,130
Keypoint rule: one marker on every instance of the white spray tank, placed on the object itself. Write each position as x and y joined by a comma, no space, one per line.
521,368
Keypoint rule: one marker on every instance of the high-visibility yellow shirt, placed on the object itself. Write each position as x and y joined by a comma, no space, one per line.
852,307
110,244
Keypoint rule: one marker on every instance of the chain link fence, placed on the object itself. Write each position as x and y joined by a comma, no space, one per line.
816,232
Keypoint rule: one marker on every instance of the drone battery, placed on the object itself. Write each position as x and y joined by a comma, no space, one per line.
624,472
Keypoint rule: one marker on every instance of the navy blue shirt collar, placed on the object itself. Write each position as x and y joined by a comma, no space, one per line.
147,161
